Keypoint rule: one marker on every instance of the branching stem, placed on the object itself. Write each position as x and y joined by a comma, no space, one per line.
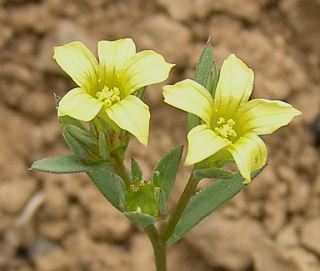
181,205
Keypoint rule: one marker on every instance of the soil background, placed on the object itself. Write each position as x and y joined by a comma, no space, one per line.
57,222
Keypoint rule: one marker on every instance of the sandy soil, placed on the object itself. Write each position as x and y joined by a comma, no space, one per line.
57,223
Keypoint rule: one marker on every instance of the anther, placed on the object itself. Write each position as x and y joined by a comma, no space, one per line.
109,96
225,129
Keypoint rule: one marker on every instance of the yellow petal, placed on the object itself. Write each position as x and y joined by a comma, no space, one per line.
249,153
234,86
190,96
132,115
78,104
263,116
79,63
144,68
113,56
202,143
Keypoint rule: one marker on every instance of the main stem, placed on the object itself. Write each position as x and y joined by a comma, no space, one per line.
181,205
159,248
158,240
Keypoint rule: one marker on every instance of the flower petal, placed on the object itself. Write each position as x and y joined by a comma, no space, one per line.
234,86
144,68
202,143
132,115
190,96
113,56
263,116
249,153
78,104
79,63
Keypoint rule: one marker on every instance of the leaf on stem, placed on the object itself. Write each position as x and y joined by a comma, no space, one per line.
206,201
165,172
110,185
136,172
66,120
205,75
81,135
103,147
212,173
140,219
59,165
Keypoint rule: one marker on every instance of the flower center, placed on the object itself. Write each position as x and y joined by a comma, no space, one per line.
225,128
109,96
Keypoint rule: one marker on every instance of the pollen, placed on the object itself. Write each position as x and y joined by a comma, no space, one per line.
109,96
225,128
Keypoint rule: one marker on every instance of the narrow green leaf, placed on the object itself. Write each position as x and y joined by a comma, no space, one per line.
101,125
110,185
213,80
93,129
103,147
140,93
79,150
81,135
161,197
206,201
59,165
202,76
140,219
212,173
136,172
204,66
66,120
165,171
102,175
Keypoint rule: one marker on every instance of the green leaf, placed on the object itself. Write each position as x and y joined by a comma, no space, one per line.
140,93
136,172
110,185
81,135
213,80
205,64
140,219
81,151
103,176
103,147
100,125
165,171
93,129
161,197
66,120
59,165
212,173
202,76
206,201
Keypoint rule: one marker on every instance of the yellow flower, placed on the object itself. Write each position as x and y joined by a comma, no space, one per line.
107,86
231,123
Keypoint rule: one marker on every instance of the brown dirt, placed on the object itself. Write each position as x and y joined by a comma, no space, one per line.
273,225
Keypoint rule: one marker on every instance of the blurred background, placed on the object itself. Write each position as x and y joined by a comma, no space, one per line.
61,222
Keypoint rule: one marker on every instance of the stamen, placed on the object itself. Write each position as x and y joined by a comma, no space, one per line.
109,96
225,129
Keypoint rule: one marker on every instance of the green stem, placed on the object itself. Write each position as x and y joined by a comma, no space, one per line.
181,205
121,169
159,248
